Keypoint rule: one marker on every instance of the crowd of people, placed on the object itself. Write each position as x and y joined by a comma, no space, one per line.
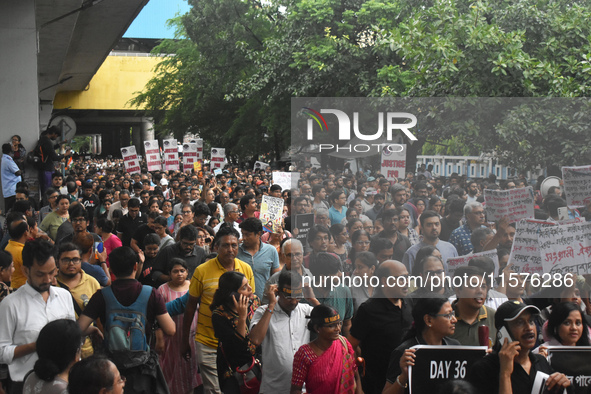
175,285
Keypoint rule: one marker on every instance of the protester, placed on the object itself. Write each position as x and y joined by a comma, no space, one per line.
567,326
434,324
95,375
181,375
58,348
511,367
231,315
327,364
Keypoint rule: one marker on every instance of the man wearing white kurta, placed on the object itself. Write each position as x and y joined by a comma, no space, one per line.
281,328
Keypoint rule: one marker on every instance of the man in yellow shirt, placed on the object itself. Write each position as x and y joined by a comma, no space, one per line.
18,230
204,283
82,286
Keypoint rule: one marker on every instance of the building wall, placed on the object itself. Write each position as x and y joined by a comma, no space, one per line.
116,82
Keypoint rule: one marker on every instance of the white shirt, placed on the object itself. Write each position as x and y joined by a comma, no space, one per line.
114,206
236,226
22,316
284,337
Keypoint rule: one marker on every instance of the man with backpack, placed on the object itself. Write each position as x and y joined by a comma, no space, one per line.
128,310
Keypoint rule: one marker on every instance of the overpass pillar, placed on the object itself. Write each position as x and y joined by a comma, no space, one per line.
147,128
19,97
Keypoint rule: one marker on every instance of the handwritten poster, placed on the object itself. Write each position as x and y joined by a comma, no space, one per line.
577,185
218,156
152,150
171,155
394,163
130,159
515,203
189,156
456,262
566,248
271,213
287,180
525,254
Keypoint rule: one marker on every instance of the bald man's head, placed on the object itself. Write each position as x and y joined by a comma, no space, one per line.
393,279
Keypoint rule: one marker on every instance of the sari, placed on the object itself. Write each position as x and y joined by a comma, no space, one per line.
332,372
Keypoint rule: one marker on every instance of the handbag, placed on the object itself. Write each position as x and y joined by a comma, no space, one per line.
249,376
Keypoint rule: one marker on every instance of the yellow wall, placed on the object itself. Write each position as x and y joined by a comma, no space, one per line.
116,82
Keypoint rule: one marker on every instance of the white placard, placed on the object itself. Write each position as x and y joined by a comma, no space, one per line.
152,150
171,155
218,156
189,156
517,204
130,159
394,163
577,185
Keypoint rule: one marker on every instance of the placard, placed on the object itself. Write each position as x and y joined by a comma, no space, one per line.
525,255
394,163
573,361
577,185
171,155
515,203
303,223
199,144
285,179
454,263
271,213
435,365
259,165
218,156
189,156
152,150
566,248
130,159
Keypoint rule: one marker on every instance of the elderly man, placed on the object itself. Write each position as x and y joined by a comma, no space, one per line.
460,237
231,215
292,258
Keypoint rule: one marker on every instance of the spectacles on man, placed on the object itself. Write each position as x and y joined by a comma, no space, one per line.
68,261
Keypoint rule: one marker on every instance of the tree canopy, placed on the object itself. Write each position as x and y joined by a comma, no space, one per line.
237,63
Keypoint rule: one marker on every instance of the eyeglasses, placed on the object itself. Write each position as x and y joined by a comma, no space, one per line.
67,261
448,316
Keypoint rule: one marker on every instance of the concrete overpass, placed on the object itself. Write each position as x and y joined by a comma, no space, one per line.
52,46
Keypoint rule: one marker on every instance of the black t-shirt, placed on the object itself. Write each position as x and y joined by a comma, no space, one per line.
484,375
90,203
380,326
140,233
447,226
127,227
400,247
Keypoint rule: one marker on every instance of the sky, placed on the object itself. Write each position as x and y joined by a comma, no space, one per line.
151,21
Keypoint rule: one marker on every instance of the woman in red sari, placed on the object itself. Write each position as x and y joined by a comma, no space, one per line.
327,364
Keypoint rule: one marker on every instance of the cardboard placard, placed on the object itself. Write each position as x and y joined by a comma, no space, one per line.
271,213
577,185
130,159
393,163
517,204
153,159
457,262
435,365
171,155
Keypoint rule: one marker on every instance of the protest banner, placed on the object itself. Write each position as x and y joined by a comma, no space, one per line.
394,163
573,361
303,224
287,180
456,262
197,166
199,144
130,159
218,156
171,155
259,165
515,203
577,185
525,255
271,213
152,150
189,156
435,365
566,248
